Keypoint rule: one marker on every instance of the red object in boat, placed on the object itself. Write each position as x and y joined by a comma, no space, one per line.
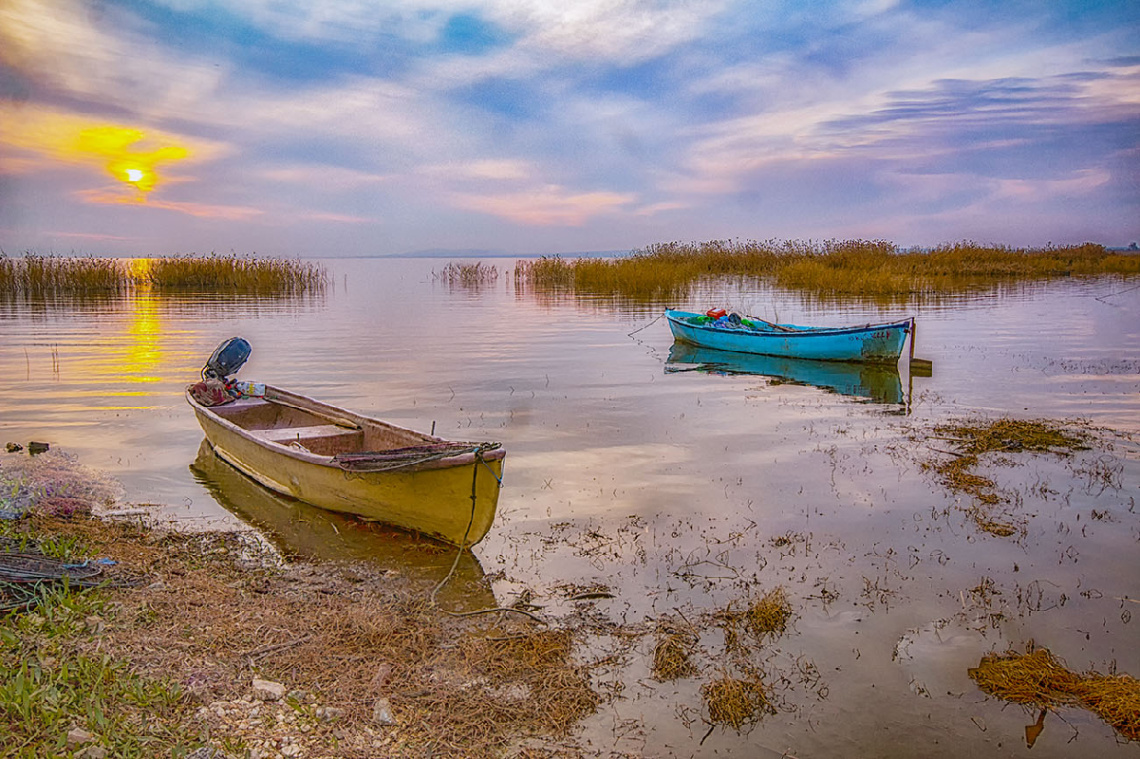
715,313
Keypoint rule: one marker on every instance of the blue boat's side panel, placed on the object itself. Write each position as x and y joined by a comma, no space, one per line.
873,342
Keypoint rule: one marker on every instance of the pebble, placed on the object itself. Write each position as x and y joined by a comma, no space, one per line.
267,690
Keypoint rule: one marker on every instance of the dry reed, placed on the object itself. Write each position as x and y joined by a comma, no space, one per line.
871,268
1039,680
39,276
673,652
234,274
735,702
974,440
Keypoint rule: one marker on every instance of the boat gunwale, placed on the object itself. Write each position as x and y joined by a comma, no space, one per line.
678,317
333,413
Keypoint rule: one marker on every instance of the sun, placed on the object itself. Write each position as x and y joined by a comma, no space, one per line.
134,175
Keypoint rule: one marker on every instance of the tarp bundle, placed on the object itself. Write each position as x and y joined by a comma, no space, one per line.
398,458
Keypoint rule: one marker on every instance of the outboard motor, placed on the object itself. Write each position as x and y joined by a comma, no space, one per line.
226,359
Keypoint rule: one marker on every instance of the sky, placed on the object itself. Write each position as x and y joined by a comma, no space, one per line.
331,128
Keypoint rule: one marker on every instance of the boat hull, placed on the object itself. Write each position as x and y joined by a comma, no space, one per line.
453,499
874,343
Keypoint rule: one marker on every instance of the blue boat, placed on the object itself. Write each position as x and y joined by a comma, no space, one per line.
875,343
875,382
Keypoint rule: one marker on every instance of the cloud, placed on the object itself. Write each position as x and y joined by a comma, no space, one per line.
545,206
201,210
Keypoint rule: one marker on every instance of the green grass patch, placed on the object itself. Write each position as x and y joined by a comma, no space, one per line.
47,688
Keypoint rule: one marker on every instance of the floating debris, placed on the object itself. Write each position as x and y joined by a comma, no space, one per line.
769,616
974,440
672,654
1039,680
735,702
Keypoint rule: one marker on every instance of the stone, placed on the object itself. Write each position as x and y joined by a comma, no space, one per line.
267,690
382,676
93,752
77,736
329,713
382,712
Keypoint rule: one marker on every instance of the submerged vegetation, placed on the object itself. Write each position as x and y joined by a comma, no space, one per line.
1039,680
48,276
870,268
1006,436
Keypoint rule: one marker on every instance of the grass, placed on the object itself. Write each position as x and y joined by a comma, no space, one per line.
168,665
871,268
49,685
48,276
1039,680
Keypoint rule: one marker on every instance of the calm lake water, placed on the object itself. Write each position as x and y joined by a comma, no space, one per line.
681,482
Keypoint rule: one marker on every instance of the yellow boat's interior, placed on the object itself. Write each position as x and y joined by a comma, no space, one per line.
322,434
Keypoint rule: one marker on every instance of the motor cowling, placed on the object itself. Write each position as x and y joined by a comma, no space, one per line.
226,359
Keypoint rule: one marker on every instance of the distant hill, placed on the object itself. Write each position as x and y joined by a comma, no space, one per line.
481,253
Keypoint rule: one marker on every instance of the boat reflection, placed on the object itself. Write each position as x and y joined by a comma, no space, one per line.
878,383
301,531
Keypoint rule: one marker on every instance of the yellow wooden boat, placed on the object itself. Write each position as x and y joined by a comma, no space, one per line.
346,462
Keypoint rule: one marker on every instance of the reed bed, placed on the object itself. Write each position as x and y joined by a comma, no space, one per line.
39,276
51,276
233,274
467,275
1040,680
873,268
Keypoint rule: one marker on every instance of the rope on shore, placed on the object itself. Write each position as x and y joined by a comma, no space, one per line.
26,573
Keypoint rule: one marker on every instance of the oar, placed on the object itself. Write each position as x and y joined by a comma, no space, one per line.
773,325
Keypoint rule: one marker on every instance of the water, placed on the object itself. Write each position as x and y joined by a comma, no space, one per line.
680,482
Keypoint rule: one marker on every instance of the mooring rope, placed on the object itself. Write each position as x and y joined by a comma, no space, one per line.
470,521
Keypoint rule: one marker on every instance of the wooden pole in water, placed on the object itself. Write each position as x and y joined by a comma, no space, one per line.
920,366
913,328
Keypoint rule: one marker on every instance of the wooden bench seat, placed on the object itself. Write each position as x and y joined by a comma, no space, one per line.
317,432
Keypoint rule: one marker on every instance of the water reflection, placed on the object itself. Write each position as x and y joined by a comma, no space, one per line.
305,532
879,383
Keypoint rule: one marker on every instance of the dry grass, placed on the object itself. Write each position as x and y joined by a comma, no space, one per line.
39,276
233,274
673,652
1038,679
46,276
768,616
1007,436
867,268
735,702
457,686
469,276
